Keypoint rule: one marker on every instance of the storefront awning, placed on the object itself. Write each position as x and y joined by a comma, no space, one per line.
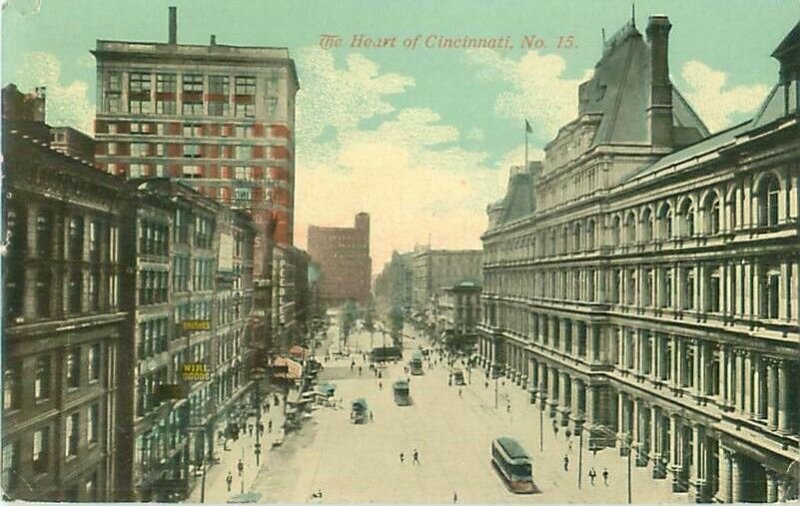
295,370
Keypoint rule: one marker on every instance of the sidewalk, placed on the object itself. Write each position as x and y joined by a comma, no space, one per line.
216,490
523,422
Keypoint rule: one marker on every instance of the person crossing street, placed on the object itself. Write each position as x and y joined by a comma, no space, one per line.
229,480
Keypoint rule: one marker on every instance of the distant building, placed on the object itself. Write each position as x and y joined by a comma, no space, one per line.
458,314
394,285
435,270
21,107
72,143
343,255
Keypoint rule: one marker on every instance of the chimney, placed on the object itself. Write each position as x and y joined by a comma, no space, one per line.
173,25
659,109
213,40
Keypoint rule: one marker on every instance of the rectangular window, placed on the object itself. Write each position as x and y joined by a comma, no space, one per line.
9,466
192,130
11,385
242,196
245,110
191,151
191,171
114,81
93,362
193,83
75,238
244,173
138,128
41,450
43,293
192,108
41,382
72,435
166,83
113,102
216,108
166,107
272,106
74,368
44,234
139,82
93,423
245,85
75,291
219,85
244,132
139,149
243,152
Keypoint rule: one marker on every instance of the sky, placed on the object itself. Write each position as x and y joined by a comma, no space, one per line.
420,137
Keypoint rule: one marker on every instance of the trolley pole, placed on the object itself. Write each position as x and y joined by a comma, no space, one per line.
541,425
630,451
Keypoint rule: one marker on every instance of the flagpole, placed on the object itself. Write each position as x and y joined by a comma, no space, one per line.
526,144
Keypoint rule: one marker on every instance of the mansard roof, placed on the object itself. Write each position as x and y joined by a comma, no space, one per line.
619,91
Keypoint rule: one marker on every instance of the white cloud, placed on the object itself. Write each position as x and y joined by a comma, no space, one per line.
539,91
408,172
67,104
717,103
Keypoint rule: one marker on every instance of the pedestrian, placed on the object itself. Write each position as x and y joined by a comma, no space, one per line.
402,457
592,475
240,467
605,476
459,391
566,462
555,427
229,480
250,429
225,444
569,445
416,456
508,407
371,419
455,497
380,385
359,370
486,385
352,364
269,426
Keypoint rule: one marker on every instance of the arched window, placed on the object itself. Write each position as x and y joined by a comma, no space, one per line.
615,231
665,222
713,217
630,228
768,192
647,226
590,235
576,237
686,213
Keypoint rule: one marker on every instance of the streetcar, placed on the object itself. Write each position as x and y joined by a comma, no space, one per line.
360,411
458,377
401,395
415,365
513,464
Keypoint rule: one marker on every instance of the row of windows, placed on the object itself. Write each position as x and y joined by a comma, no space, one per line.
153,337
170,107
657,222
711,288
76,374
187,130
153,287
146,150
141,82
153,238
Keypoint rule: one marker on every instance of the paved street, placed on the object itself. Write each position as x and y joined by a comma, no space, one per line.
360,463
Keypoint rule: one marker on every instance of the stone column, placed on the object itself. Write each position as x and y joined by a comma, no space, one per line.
783,398
748,384
676,453
659,472
552,393
738,479
642,432
543,386
722,398
761,388
697,367
739,382
748,292
724,491
772,394
674,362
655,366
698,490
679,362
772,484
575,401
622,423
794,297
590,405
564,393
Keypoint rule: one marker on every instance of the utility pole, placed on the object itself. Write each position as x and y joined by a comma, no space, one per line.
541,425
579,428
630,451
203,483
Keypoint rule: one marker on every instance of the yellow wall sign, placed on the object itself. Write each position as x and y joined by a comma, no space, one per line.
190,325
194,372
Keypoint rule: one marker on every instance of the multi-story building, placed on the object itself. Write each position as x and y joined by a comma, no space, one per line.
393,286
458,314
191,287
435,270
72,143
343,255
63,322
218,117
291,296
651,295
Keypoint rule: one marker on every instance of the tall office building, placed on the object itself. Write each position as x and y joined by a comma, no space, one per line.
343,255
218,117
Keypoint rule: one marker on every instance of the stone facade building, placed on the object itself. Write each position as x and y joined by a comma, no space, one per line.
459,313
343,255
435,270
64,323
643,281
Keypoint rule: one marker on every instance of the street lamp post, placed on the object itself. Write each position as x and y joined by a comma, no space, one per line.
496,381
541,425
203,482
579,429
